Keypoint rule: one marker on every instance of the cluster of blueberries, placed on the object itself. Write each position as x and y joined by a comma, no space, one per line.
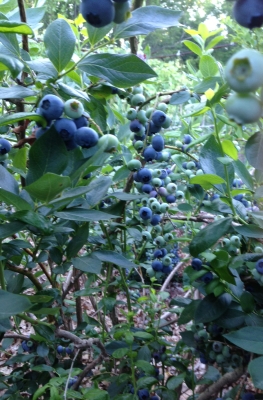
28,346
5,147
103,12
198,265
73,128
163,261
64,350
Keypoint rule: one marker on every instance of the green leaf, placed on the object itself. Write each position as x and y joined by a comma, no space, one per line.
230,149
249,230
7,5
97,190
120,353
33,218
59,41
12,304
96,394
9,62
255,369
179,98
208,66
114,258
44,66
48,186
12,199
13,118
146,381
143,335
244,175
175,381
212,307
10,228
145,366
15,27
254,150
44,158
79,214
96,34
121,174
87,264
120,70
193,47
145,20
78,241
214,42
7,181
210,163
207,181
248,338
209,235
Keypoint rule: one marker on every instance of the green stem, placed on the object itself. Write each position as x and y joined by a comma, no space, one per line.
32,320
2,276
228,189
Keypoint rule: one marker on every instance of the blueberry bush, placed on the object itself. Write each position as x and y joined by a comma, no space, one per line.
115,187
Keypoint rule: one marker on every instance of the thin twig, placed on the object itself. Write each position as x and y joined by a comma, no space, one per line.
69,375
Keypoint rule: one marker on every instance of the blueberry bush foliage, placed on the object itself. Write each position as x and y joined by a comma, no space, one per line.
111,190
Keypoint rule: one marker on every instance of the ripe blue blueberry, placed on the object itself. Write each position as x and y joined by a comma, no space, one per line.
259,266
164,251
158,118
72,381
187,139
151,128
81,122
158,143
145,213
155,219
5,147
167,269
157,266
97,14
170,198
60,349
51,107
66,128
207,278
136,126
158,253
143,394
147,188
149,154
248,396
40,131
144,175
25,346
248,13
86,137
68,350
197,264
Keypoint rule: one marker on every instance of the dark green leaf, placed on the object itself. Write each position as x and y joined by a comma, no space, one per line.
60,43
248,338
43,65
12,199
254,149
87,264
79,214
175,381
12,304
15,91
96,34
78,241
180,97
145,20
249,230
255,369
212,307
42,349
13,118
11,228
209,235
97,189
7,181
114,258
207,181
44,158
119,69
48,186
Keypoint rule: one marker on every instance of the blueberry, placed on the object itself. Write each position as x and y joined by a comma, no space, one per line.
155,398
184,165
136,126
144,175
197,264
158,143
149,154
259,266
187,139
155,219
214,196
81,122
248,396
244,202
167,269
158,254
86,137
5,146
69,350
158,118
25,346
237,183
145,213
239,197
71,144
147,188
73,108
60,349
65,128
97,14
40,131
170,198
248,13
72,381
217,347
206,278
151,128
164,252
157,265
51,107
143,394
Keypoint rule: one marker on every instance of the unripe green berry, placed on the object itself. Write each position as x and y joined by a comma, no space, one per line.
157,229
190,165
134,165
156,182
137,89
235,240
167,123
164,207
138,145
149,112
131,114
159,240
141,116
166,260
258,249
179,195
171,187
168,237
146,235
162,106
155,206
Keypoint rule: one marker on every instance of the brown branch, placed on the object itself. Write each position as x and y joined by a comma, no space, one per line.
133,39
78,299
226,380
28,274
22,13
84,373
